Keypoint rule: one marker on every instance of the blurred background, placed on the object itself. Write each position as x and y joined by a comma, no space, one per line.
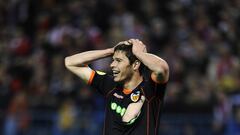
198,38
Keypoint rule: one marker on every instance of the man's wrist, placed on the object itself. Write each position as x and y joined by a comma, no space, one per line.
137,54
110,51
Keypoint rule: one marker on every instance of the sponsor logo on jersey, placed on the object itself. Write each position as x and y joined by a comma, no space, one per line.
118,109
118,96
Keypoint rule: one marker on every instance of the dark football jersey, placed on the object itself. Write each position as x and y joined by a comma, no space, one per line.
118,99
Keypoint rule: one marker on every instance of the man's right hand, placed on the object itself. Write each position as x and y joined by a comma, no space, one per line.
126,42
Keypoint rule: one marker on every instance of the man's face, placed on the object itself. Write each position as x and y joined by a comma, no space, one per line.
121,68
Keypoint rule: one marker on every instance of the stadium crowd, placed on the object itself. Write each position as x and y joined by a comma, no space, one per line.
198,38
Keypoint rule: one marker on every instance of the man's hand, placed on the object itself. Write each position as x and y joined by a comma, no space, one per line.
138,46
126,42
122,42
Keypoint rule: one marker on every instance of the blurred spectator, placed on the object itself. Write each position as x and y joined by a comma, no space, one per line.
233,125
233,122
222,111
199,40
17,118
67,119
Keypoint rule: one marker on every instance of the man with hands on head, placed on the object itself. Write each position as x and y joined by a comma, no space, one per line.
134,95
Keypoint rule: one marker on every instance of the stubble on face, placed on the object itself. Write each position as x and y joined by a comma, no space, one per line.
122,70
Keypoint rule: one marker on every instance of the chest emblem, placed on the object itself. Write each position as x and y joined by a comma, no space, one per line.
135,96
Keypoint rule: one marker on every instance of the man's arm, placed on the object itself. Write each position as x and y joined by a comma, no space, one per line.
158,66
78,63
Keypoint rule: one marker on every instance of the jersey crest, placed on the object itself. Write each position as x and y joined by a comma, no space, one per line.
135,96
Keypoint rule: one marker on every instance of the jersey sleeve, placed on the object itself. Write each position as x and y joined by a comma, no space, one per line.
152,89
102,82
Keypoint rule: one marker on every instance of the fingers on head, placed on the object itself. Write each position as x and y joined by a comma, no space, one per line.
124,42
133,40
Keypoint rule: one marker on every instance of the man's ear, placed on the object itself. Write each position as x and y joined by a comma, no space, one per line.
136,64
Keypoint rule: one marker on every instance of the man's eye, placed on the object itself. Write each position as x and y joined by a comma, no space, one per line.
117,60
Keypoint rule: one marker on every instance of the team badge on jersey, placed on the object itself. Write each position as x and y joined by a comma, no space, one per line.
135,96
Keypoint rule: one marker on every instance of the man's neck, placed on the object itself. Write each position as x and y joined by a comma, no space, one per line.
133,82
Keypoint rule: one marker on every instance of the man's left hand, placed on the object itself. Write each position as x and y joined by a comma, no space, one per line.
138,46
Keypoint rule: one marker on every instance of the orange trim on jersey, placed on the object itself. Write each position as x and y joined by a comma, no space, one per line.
91,77
127,91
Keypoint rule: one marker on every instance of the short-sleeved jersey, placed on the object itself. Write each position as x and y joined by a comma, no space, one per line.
118,99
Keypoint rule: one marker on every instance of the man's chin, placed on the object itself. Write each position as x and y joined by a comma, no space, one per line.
116,80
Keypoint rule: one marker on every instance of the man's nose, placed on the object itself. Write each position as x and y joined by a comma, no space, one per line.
112,64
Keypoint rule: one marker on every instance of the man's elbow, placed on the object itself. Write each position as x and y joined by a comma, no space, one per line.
67,62
165,75
161,75
165,71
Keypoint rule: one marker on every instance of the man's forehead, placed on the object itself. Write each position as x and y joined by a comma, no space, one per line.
121,54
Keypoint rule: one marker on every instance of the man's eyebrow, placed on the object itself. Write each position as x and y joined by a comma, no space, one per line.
116,58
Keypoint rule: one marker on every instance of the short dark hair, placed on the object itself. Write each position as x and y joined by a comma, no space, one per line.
128,52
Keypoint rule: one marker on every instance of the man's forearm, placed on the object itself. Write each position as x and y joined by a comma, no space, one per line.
153,62
84,58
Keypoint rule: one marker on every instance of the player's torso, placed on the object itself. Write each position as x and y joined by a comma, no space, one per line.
117,104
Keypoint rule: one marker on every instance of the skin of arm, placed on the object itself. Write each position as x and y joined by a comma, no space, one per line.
158,66
77,63
133,110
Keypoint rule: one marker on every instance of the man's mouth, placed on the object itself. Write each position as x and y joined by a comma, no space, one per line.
115,73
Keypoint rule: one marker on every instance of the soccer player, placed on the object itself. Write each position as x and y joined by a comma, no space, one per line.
133,100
